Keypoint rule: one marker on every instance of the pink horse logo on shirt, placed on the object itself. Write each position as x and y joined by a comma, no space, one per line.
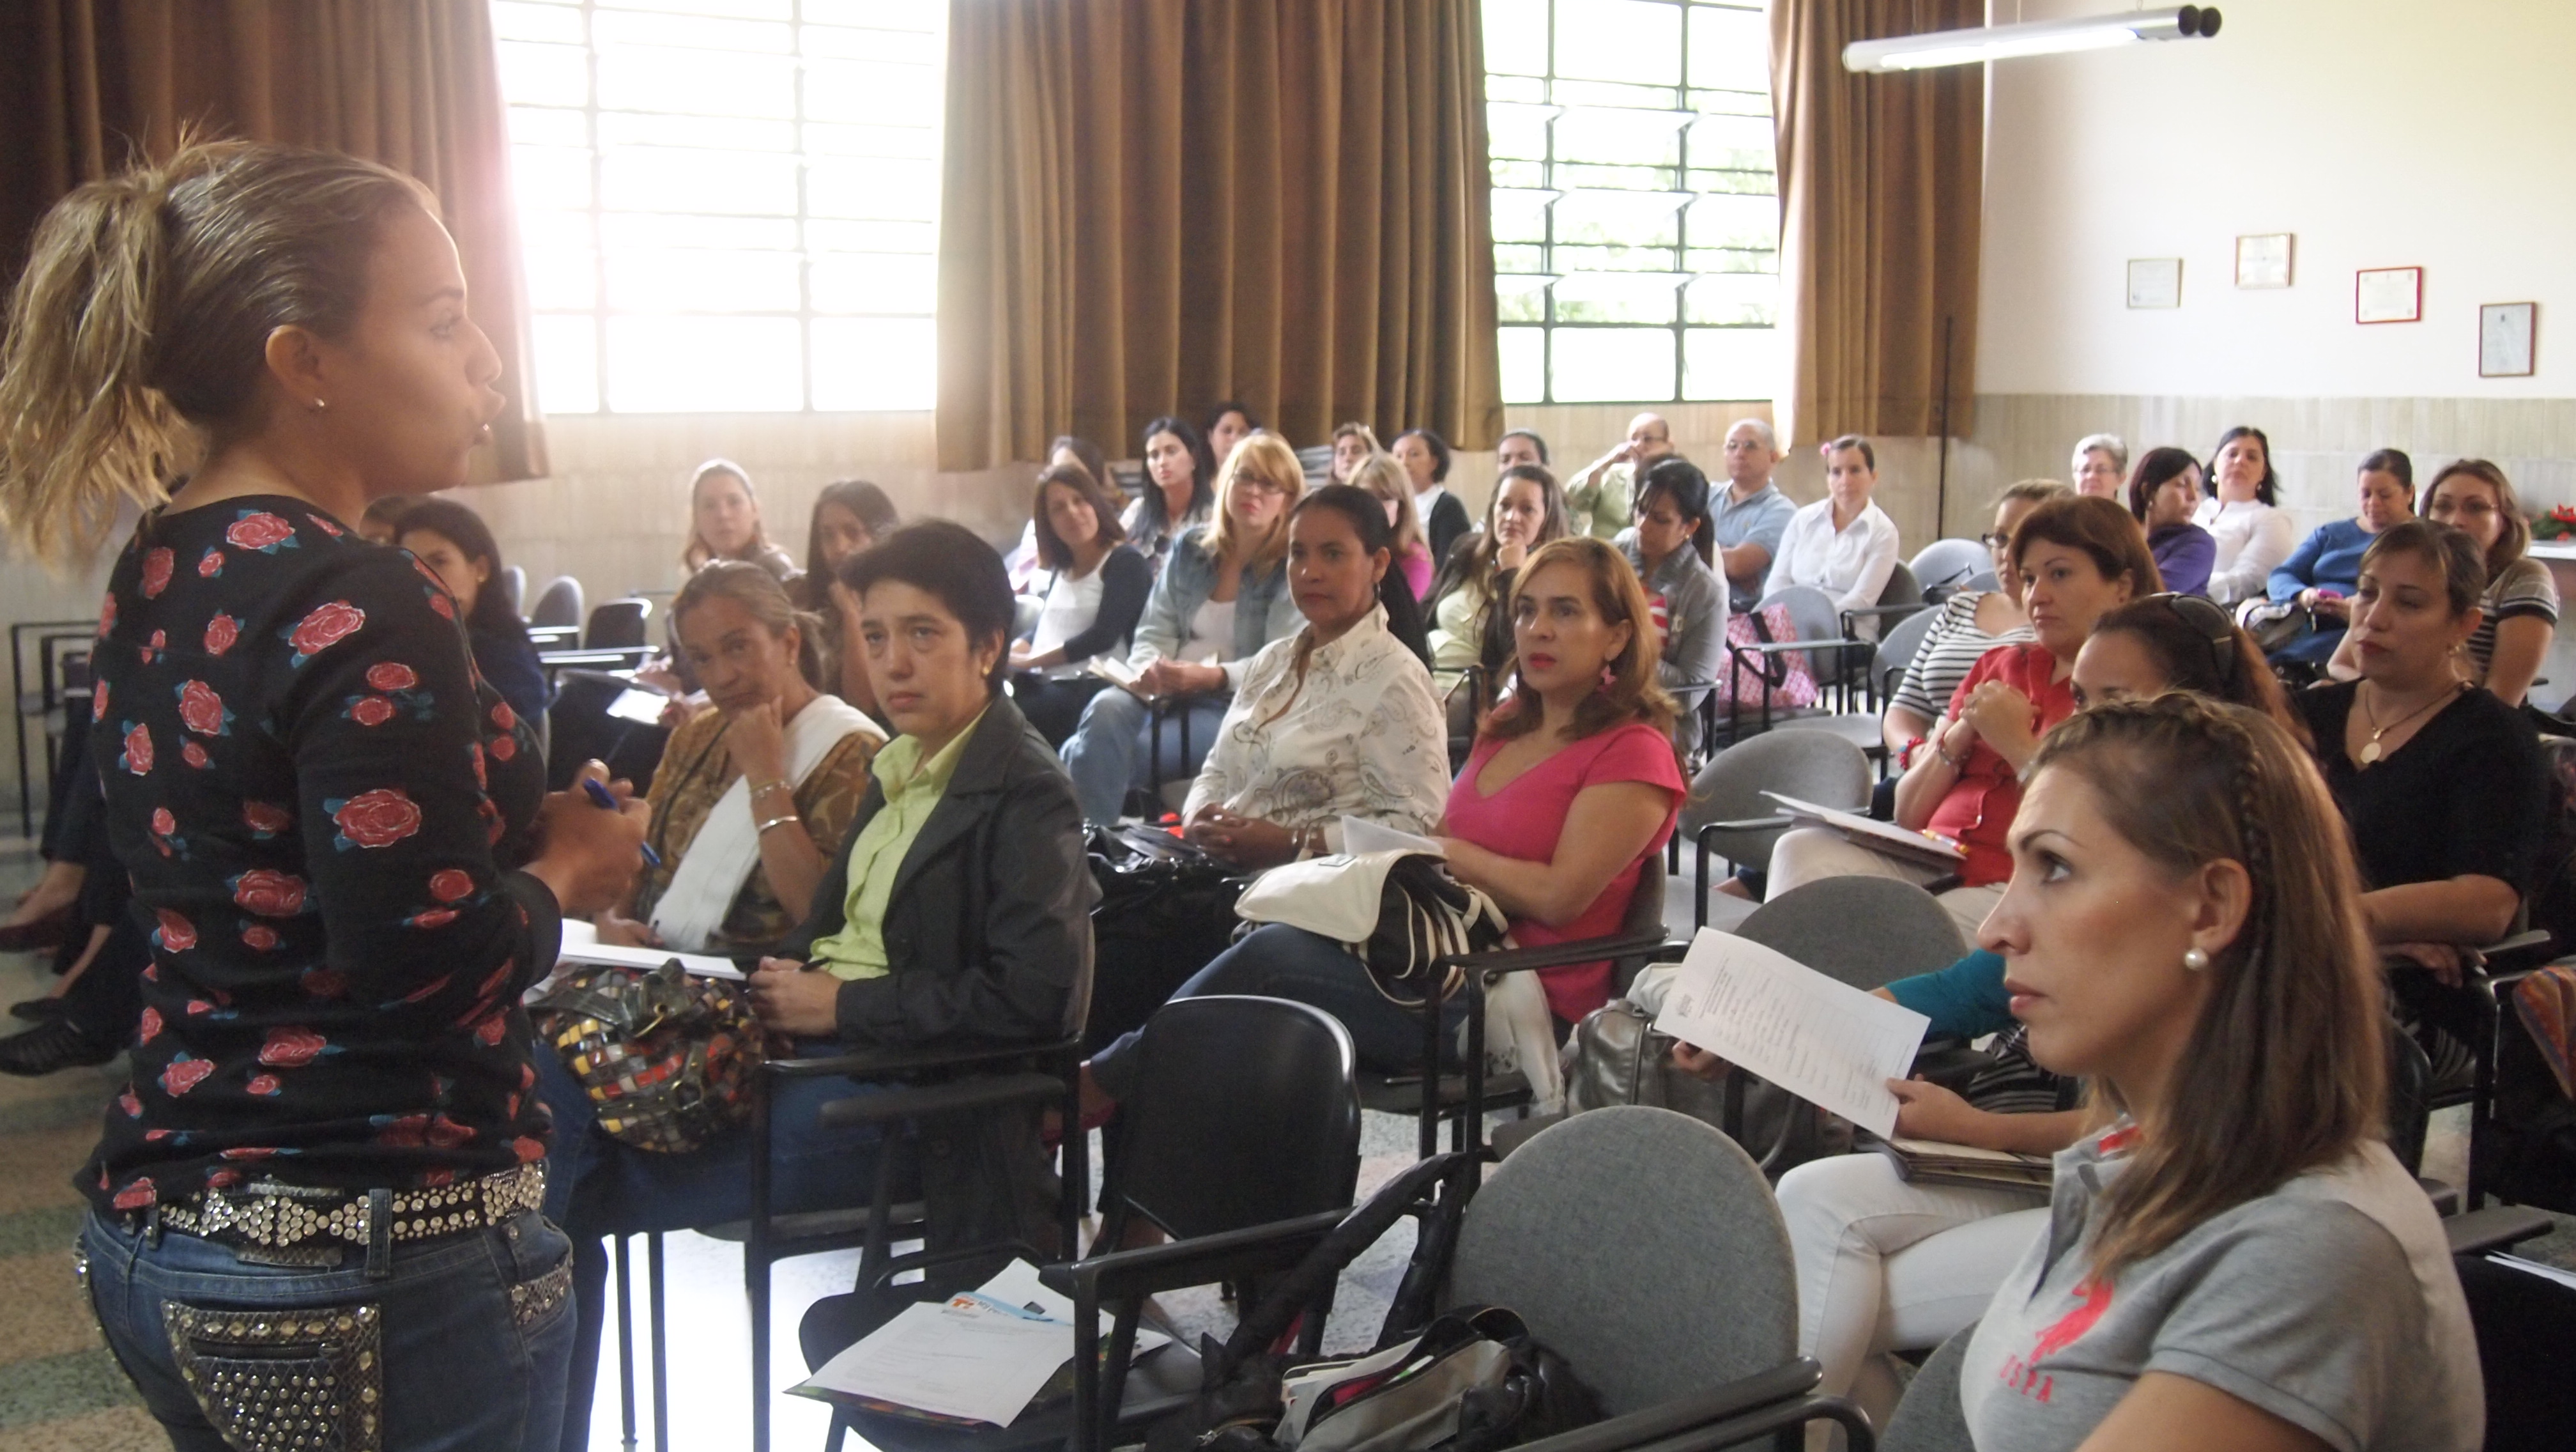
2023,1374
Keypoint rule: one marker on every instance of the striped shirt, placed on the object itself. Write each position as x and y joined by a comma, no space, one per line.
2521,588
1949,651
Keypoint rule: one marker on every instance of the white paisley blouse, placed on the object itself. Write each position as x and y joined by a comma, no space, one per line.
1361,735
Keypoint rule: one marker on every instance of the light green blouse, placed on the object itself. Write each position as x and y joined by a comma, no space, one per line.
913,788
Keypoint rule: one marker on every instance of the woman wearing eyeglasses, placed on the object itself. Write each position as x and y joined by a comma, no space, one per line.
2517,612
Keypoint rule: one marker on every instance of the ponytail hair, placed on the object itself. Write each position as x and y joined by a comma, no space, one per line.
1368,521
140,325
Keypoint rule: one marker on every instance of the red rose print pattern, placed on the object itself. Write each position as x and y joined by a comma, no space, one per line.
107,616
504,717
261,937
371,710
201,710
177,934
149,1028
157,568
151,650
269,893
265,819
505,748
451,885
327,626
431,918
195,755
264,1085
137,1196
185,1073
391,675
138,749
439,602
163,824
221,632
327,527
259,530
292,1048
379,818
98,702
210,565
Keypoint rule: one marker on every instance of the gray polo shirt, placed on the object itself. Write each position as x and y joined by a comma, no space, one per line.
2329,1303
1761,520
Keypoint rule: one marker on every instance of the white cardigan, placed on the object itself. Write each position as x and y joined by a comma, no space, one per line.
1851,564
2253,538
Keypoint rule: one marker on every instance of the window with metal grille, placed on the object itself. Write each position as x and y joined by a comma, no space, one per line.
727,205
1636,207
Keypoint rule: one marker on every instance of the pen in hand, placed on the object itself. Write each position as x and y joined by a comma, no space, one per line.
600,798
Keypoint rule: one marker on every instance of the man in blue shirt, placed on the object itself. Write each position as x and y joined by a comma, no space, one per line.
1752,514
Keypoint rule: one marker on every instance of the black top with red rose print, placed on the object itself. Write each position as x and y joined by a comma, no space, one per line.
314,793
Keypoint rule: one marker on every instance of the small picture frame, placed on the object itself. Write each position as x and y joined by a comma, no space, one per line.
2263,261
2388,295
2155,282
2507,338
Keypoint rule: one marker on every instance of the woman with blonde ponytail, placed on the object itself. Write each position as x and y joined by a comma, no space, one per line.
340,830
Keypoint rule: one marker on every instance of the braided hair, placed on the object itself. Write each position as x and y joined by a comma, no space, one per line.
2286,1061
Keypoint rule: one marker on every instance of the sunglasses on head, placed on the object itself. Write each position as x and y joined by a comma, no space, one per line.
2212,624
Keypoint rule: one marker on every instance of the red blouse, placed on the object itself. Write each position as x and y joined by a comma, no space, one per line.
1525,818
1978,811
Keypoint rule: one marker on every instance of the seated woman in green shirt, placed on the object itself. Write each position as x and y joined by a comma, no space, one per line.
957,912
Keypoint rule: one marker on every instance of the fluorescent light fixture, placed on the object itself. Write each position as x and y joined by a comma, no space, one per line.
2037,37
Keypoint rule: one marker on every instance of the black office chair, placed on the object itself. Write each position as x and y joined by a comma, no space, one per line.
1243,1120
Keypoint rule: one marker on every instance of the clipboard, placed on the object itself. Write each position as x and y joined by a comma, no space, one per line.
1927,848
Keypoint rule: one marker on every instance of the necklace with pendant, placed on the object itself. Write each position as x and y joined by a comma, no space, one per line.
2370,752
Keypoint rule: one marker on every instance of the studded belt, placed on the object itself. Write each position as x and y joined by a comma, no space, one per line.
276,1219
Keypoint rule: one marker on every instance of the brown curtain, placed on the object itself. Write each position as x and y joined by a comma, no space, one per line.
1151,205
1881,190
410,83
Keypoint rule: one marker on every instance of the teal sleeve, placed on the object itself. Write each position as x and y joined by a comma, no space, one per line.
1966,999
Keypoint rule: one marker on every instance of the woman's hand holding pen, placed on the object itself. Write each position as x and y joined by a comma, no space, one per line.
792,999
591,856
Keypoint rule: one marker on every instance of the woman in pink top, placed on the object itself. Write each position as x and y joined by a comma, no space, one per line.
1573,781
2078,559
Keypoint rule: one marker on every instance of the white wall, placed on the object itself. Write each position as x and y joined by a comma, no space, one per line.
2383,133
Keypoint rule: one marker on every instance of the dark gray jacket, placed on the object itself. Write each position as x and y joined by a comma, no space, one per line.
989,926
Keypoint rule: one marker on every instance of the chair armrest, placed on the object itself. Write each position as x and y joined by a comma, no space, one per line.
1228,1255
1743,824
2494,1228
980,1092
1683,1413
890,1062
1495,964
1774,647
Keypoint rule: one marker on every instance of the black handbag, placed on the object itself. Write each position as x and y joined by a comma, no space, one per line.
1162,917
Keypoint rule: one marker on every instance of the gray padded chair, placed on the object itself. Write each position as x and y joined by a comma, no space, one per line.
1930,1419
1864,931
1677,1281
1727,816
1896,650
1946,565
514,587
559,604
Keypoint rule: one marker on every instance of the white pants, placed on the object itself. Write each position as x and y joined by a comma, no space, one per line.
1886,1266
1806,854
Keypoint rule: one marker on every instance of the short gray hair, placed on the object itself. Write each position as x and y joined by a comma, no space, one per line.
1761,430
2108,443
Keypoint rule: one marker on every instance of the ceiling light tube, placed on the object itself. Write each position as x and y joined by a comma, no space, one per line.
2037,37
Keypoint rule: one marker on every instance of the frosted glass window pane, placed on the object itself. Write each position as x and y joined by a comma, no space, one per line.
622,230
824,236
701,133
881,189
640,178
1521,216
562,270
1735,297
904,141
567,362
704,365
702,281
1621,219
875,363
1524,364
1732,363
917,49
1619,40
1520,299
740,9
1612,298
544,75
898,15
548,126
1641,138
1613,365
550,176
512,20
1730,49
1744,143
1739,222
1519,132
1516,37
879,94
696,32
876,284
696,82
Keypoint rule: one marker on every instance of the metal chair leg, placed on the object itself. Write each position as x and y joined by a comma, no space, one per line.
625,1349
661,1342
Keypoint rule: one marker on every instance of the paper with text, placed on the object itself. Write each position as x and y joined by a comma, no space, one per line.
1359,835
1826,1042
1905,842
581,945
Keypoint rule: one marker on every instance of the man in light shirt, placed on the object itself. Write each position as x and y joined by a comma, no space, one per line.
1601,500
1752,514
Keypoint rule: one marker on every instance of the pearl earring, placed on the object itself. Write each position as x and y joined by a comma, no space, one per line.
2194,959
320,405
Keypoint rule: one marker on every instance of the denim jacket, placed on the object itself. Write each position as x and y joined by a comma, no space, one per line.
1264,610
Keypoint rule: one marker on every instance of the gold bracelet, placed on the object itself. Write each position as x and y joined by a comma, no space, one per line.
762,827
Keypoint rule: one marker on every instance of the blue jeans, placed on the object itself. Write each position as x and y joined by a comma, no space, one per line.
1108,752
597,1187
459,1369
1278,961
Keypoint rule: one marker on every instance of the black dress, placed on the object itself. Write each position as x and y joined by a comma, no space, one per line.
2464,795
316,796
1448,522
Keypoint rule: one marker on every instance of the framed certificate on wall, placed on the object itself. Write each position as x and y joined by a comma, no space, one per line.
2388,295
2263,261
2506,334
2155,282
